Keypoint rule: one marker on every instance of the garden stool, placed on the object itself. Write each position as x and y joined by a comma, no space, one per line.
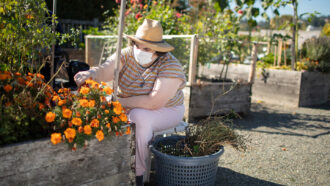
179,128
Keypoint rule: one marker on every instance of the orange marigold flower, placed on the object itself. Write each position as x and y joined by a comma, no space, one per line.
30,74
61,102
87,129
123,117
108,125
103,98
55,98
95,123
108,90
117,133
56,138
17,73
103,83
84,90
102,106
5,75
21,81
8,88
78,114
91,103
99,135
90,82
41,76
50,117
80,129
83,102
106,111
117,110
115,119
76,121
41,106
67,113
70,134
128,130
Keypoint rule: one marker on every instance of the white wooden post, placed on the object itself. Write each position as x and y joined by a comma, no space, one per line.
193,59
253,64
119,44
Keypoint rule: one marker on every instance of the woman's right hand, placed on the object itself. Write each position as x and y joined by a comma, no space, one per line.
80,77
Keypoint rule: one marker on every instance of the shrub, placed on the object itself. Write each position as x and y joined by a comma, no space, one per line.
23,104
317,53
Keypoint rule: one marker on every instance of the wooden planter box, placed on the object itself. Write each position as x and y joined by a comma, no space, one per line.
40,163
202,100
283,87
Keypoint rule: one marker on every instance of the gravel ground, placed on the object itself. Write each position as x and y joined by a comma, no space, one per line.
287,146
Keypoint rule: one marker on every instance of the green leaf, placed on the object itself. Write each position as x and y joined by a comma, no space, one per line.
255,12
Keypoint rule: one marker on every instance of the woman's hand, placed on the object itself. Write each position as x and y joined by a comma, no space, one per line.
80,77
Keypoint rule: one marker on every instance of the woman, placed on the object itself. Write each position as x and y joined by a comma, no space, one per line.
150,86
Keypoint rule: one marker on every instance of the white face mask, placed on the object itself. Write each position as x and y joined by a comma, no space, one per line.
142,57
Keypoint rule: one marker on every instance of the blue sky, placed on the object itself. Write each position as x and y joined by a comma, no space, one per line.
322,6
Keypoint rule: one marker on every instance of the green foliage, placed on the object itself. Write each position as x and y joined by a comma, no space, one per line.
317,51
25,33
23,103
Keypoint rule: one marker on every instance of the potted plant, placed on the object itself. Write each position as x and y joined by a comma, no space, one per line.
193,158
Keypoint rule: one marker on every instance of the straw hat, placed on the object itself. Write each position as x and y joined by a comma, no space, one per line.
150,34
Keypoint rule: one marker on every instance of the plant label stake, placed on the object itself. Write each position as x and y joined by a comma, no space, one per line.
118,52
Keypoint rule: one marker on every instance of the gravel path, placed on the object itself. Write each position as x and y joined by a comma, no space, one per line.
288,146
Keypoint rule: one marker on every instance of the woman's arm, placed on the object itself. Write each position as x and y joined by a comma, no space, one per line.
164,89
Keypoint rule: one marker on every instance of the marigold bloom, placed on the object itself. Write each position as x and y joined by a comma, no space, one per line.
115,119
117,110
108,90
83,102
50,117
102,106
70,134
61,102
21,81
56,138
123,117
78,114
56,98
76,121
41,106
84,90
108,125
80,129
5,75
99,135
41,76
103,83
106,111
67,113
87,129
95,123
8,88
128,130
17,73
91,103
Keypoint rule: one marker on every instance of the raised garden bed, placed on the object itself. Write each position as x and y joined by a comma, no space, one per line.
109,162
216,98
283,87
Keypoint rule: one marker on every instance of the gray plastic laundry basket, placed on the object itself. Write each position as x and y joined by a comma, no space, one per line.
177,170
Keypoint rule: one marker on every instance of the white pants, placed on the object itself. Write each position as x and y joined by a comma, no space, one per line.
147,122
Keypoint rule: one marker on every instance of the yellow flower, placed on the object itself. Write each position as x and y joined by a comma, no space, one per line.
99,135
66,113
50,117
123,117
91,103
83,102
84,90
95,123
108,90
56,138
115,119
87,129
76,121
117,110
8,88
70,134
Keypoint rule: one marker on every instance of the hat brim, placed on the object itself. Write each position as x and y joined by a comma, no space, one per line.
159,47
